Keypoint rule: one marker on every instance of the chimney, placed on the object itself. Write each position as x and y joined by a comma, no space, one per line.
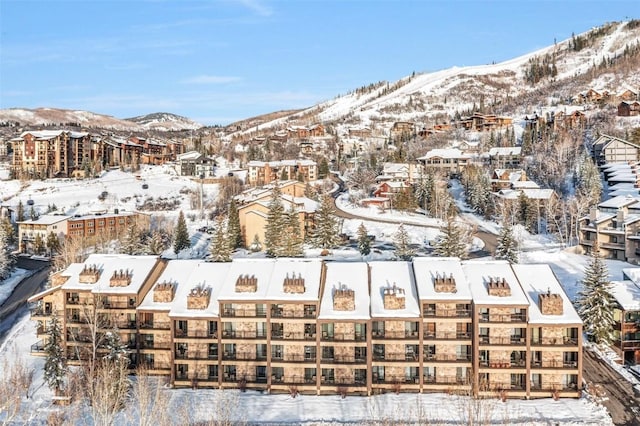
198,297
89,274
164,292
621,214
444,284
593,214
498,287
393,297
293,284
344,299
550,303
120,278
246,284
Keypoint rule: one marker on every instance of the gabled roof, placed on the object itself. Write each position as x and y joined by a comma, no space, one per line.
352,276
627,294
46,219
426,269
504,151
444,153
393,275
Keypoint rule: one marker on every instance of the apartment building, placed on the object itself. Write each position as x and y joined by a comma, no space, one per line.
324,327
32,229
446,160
265,172
615,226
627,316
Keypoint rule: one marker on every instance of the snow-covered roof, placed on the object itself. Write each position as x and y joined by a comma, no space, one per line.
618,202
350,276
178,273
190,155
627,294
138,267
538,193
539,279
260,269
427,269
444,153
204,275
479,274
308,269
503,151
522,184
280,163
46,219
396,277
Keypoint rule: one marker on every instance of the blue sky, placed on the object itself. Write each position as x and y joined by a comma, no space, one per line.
217,61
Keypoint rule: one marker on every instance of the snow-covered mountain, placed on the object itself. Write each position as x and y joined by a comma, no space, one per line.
604,58
64,117
165,121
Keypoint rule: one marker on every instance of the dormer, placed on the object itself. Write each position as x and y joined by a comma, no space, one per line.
498,287
550,303
393,297
344,299
293,284
164,292
444,284
120,278
246,284
198,297
89,274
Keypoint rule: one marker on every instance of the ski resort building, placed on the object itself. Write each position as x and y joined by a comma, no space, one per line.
325,327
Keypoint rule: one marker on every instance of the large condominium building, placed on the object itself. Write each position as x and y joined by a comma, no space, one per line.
322,327
265,172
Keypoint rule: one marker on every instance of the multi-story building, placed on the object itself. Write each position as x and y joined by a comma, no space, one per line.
265,172
627,316
109,225
615,226
50,153
306,325
451,161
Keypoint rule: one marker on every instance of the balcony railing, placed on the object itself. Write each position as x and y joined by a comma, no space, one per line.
344,337
234,334
246,378
395,356
126,325
196,355
41,312
195,334
37,347
156,325
446,358
344,359
555,341
447,313
383,334
513,340
293,358
146,344
445,380
73,300
554,364
278,335
244,313
388,379
281,313
503,317
458,335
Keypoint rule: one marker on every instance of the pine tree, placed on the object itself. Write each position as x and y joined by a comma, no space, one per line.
53,243
116,348
451,243
20,212
234,231
364,244
276,225
33,214
402,241
323,168
595,301
326,232
256,245
132,241
293,235
507,247
9,231
157,243
181,237
38,244
55,365
6,260
220,247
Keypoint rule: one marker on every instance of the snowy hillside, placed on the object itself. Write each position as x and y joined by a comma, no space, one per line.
505,88
66,118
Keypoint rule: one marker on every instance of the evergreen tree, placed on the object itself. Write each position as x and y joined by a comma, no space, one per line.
132,241
326,232
220,247
55,365
276,225
507,246
527,213
451,243
53,243
293,235
364,244
404,200
234,232
6,259
402,241
256,245
595,301
181,237
117,349
20,212
33,214
323,168
38,244
157,243
9,232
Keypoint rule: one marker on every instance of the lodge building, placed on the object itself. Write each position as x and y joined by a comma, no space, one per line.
327,327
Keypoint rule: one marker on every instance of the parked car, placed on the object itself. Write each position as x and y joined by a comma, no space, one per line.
145,186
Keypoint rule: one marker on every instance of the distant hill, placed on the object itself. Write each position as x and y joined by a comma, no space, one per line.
164,121
56,117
